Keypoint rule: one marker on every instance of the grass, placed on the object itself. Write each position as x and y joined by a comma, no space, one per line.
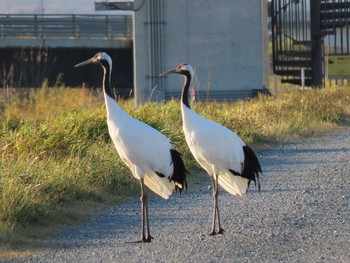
55,151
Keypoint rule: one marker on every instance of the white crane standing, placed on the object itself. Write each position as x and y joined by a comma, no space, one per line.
147,153
228,160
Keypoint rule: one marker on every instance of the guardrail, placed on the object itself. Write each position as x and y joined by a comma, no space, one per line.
65,26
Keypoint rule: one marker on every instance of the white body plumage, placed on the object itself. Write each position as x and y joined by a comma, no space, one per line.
143,149
216,149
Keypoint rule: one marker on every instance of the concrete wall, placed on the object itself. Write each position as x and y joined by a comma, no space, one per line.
225,41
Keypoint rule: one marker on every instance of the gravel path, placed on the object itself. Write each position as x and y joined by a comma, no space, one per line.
301,215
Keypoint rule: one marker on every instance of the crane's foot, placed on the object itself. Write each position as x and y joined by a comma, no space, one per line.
143,240
213,232
148,239
221,231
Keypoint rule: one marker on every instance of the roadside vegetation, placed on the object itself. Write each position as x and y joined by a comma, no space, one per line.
57,162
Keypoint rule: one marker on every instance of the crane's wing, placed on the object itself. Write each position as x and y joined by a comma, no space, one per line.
213,144
218,150
148,154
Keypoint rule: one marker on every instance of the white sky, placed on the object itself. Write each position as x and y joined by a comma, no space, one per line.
51,7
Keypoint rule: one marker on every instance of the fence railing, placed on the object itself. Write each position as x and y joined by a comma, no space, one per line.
66,26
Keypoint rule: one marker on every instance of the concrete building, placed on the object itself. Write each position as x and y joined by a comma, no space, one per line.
225,41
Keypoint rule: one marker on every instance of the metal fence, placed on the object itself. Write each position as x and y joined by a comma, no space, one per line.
335,20
66,26
303,33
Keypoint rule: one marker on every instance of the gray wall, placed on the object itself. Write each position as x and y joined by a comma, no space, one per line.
225,41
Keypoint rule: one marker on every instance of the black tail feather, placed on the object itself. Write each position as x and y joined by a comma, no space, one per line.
179,174
252,167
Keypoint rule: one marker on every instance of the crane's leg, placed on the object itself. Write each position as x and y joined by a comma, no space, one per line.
143,199
149,237
221,231
215,181
144,208
144,216
215,205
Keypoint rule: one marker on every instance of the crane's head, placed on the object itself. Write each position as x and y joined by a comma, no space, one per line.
182,69
101,58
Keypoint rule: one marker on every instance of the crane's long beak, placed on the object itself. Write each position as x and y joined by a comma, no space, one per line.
167,73
89,61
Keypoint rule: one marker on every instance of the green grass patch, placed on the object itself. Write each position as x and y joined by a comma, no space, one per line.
55,151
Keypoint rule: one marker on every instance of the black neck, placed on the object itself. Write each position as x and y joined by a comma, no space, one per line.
184,96
107,86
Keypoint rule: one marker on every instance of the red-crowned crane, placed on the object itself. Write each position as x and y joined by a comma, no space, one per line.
229,161
148,153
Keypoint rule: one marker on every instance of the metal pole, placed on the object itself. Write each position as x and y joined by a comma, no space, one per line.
273,25
302,78
316,43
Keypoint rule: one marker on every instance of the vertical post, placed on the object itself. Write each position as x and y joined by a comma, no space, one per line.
316,43
275,85
273,23
302,78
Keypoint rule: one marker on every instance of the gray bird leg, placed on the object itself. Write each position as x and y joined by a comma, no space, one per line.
215,181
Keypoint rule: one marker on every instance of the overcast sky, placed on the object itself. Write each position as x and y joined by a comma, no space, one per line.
50,7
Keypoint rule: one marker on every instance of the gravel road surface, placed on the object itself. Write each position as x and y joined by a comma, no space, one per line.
300,215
